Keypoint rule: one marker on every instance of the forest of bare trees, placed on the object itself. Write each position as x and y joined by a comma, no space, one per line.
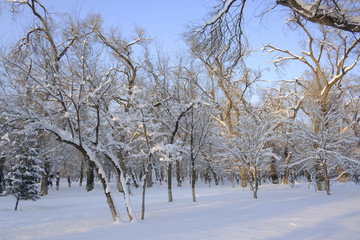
100,106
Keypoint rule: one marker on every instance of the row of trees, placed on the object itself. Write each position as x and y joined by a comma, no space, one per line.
90,99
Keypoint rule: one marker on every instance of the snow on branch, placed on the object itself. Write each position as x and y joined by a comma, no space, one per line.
329,15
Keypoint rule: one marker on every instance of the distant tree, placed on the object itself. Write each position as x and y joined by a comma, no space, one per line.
23,177
251,145
331,147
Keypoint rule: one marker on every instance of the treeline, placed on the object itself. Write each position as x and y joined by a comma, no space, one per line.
96,104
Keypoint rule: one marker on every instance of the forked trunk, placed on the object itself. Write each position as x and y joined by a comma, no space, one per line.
109,199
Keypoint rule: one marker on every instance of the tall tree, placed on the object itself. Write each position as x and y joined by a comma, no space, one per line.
329,59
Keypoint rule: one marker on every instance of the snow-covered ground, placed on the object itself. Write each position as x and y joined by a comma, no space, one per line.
221,212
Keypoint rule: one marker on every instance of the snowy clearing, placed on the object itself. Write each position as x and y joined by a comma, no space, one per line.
221,212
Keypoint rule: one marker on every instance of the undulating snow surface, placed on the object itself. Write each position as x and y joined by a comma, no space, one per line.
221,212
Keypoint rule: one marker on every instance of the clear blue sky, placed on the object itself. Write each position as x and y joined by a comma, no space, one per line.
165,20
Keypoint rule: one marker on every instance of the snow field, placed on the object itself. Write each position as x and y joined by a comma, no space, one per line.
221,212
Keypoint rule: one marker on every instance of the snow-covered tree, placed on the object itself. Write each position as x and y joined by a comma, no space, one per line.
332,145
251,146
23,177
70,92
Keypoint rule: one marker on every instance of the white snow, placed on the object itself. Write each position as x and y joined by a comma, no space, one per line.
221,212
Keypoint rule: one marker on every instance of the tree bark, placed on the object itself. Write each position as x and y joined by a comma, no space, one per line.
243,177
17,203
145,185
57,181
109,199
287,169
81,173
320,178
193,172
256,182
69,181
273,173
89,176
2,185
170,198
178,173
44,180
149,180
327,178
143,198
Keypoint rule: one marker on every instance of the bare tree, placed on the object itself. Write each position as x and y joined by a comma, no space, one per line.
224,29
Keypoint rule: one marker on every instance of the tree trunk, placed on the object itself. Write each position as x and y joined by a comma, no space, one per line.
57,180
2,185
145,185
120,169
110,202
69,181
133,177
121,186
232,177
211,170
89,176
17,203
193,178
243,177
287,169
256,183
273,173
327,179
149,180
81,173
170,198
143,198
44,180
320,178
178,173
308,176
